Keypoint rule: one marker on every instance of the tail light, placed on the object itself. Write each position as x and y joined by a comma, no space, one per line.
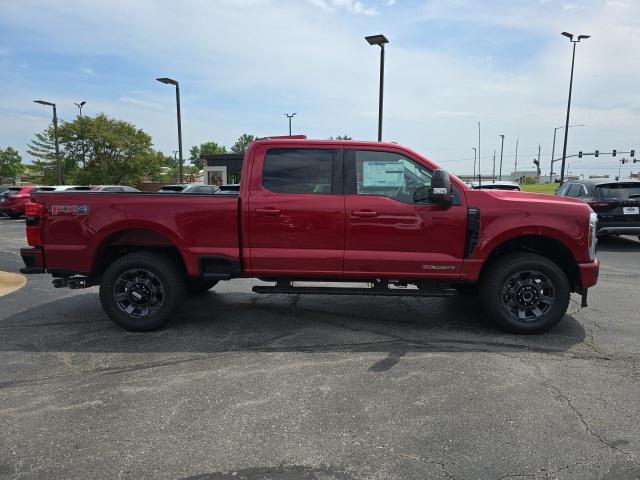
34,212
593,232
599,206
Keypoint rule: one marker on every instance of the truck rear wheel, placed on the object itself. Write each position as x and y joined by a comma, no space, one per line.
142,291
525,293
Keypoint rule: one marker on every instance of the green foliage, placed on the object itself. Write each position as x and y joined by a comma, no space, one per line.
341,137
207,148
116,152
10,163
242,143
529,181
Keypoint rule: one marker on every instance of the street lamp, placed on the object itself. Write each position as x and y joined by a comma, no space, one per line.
553,149
80,105
501,150
170,81
566,129
379,40
290,116
475,153
55,138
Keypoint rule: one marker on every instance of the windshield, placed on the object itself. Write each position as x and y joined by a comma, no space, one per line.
620,191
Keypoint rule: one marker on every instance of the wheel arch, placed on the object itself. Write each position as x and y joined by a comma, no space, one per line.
542,245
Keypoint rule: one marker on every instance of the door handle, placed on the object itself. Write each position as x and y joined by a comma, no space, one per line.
269,211
364,213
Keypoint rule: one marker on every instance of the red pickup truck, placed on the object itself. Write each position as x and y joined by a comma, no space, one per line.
374,213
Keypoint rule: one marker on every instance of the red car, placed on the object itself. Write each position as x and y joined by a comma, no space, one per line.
315,210
13,200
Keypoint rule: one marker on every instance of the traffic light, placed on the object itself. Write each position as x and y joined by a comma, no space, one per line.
633,153
597,152
635,160
613,154
580,154
537,163
623,161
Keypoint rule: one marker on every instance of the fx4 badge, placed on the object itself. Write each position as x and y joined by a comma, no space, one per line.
69,210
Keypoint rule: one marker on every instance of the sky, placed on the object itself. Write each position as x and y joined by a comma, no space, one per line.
243,64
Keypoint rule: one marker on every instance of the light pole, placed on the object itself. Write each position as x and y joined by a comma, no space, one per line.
566,125
501,150
475,154
493,173
290,116
479,161
170,81
84,159
515,167
553,149
379,40
55,138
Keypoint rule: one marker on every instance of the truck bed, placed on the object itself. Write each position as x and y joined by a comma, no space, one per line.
201,227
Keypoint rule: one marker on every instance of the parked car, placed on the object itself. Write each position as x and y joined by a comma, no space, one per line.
63,188
617,203
13,200
497,185
189,188
229,189
114,188
3,189
324,211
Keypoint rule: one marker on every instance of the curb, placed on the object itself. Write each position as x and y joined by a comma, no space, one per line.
10,282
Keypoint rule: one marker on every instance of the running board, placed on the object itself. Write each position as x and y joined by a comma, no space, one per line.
375,291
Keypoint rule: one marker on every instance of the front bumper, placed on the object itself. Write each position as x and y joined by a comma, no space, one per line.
33,259
589,274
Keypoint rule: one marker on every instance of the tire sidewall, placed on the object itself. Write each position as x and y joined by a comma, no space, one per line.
503,270
168,275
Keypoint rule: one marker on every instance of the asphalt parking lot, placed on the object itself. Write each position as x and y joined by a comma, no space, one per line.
277,387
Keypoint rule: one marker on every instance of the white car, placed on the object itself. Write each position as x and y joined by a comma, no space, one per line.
497,185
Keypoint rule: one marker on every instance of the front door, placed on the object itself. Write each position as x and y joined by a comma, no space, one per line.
387,234
296,212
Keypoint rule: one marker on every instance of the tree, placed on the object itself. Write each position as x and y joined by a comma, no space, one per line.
242,143
117,152
341,137
207,148
10,163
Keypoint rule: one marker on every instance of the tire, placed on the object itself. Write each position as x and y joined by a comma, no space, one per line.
200,286
142,291
525,293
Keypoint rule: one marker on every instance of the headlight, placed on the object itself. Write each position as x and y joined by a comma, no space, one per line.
593,226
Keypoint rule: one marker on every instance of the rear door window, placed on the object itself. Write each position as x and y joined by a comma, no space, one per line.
299,170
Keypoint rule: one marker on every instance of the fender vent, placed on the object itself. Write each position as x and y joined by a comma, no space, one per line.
473,231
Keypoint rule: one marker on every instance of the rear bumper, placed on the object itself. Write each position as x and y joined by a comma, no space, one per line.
33,259
589,274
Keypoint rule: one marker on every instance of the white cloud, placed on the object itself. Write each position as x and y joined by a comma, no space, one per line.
88,71
142,103
352,6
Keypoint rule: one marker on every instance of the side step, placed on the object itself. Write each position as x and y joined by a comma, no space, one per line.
376,290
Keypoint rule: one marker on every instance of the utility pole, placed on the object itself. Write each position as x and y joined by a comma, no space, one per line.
538,164
55,138
171,81
501,150
379,40
475,154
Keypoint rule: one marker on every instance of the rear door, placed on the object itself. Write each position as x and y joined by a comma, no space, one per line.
296,212
388,234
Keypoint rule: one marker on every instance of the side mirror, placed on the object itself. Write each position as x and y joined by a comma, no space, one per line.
440,191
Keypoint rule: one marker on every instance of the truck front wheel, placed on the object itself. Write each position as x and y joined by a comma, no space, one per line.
142,291
525,293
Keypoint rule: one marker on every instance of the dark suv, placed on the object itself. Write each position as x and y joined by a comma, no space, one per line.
617,203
